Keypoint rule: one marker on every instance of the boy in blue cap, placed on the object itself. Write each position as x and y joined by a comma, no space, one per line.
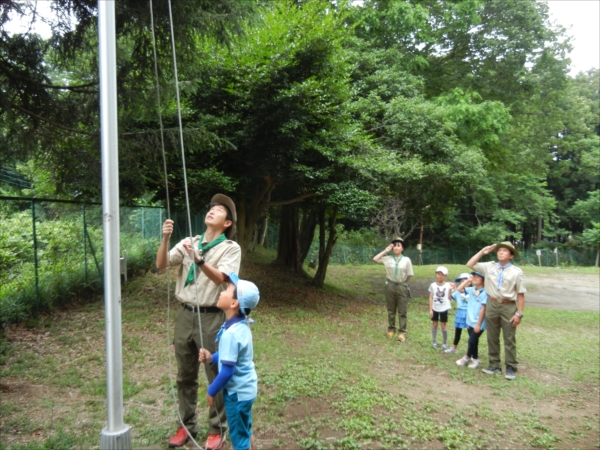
237,376
476,305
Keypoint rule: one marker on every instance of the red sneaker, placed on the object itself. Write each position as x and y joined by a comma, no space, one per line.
180,438
214,442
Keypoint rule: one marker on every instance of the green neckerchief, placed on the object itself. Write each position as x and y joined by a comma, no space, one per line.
203,248
397,262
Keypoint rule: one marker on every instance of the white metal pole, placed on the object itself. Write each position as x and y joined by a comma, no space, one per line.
116,435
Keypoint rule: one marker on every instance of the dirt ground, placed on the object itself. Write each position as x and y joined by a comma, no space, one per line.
572,292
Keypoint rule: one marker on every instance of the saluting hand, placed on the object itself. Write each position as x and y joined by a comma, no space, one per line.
490,248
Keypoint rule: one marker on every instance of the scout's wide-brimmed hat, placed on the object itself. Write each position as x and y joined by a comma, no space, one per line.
509,246
398,239
226,201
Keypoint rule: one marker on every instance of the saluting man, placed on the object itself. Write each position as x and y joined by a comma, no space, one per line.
203,264
506,301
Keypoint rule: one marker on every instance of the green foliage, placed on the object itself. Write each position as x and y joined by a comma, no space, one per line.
588,210
591,236
62,273
364,237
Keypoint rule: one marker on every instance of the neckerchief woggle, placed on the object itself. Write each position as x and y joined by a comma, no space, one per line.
501,273
203,248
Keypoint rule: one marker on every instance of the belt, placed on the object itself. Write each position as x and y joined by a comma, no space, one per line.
399,283
203,310
495,300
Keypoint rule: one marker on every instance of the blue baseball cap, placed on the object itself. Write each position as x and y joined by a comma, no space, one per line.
247,293
462,276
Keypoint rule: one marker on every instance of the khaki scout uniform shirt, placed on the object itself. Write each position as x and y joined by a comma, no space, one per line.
404,268
225,257
512,280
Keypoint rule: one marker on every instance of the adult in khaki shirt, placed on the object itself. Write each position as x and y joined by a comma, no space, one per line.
203,264
506,301
398,269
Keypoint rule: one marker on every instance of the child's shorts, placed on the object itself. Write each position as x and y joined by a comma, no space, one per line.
440,316
239,419
460,320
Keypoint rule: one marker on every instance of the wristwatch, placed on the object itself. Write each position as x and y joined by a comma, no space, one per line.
519,315
201,262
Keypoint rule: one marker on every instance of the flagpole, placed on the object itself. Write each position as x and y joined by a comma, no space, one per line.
116,435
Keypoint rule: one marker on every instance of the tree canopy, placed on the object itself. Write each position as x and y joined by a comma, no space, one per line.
458,115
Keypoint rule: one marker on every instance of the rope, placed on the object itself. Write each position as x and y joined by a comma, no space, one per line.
175,400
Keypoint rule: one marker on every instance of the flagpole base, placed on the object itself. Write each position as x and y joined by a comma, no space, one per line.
116,440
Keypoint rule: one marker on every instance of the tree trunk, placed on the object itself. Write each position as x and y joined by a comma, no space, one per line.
310,219
325,251
288,250
597,257
264,228
254,239
264,223
539,229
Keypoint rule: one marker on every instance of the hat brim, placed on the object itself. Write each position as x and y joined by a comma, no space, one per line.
234,278
224,200
478,274
513,250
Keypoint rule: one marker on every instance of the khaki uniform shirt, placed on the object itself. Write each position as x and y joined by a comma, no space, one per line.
404,268
512,280
225,257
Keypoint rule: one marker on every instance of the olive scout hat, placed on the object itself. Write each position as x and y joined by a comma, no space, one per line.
509,246
398,239
221,199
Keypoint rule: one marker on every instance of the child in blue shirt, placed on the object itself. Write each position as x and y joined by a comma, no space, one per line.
237,376
476,304
460,319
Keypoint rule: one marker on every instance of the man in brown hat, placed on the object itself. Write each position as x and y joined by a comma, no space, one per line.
203,264
398,269
506,301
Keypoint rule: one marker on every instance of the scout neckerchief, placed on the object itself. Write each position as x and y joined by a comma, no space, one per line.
397,262
203,248
501,273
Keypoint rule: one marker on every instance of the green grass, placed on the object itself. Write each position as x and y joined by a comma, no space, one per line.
328,376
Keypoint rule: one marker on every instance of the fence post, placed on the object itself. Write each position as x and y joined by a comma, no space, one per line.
35,256
84,243
160,224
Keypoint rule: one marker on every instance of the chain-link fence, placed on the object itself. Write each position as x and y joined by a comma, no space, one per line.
52,250
355,254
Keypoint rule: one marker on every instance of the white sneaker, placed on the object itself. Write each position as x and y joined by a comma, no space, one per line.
451,350
474,364
463,361
434,345
444,347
